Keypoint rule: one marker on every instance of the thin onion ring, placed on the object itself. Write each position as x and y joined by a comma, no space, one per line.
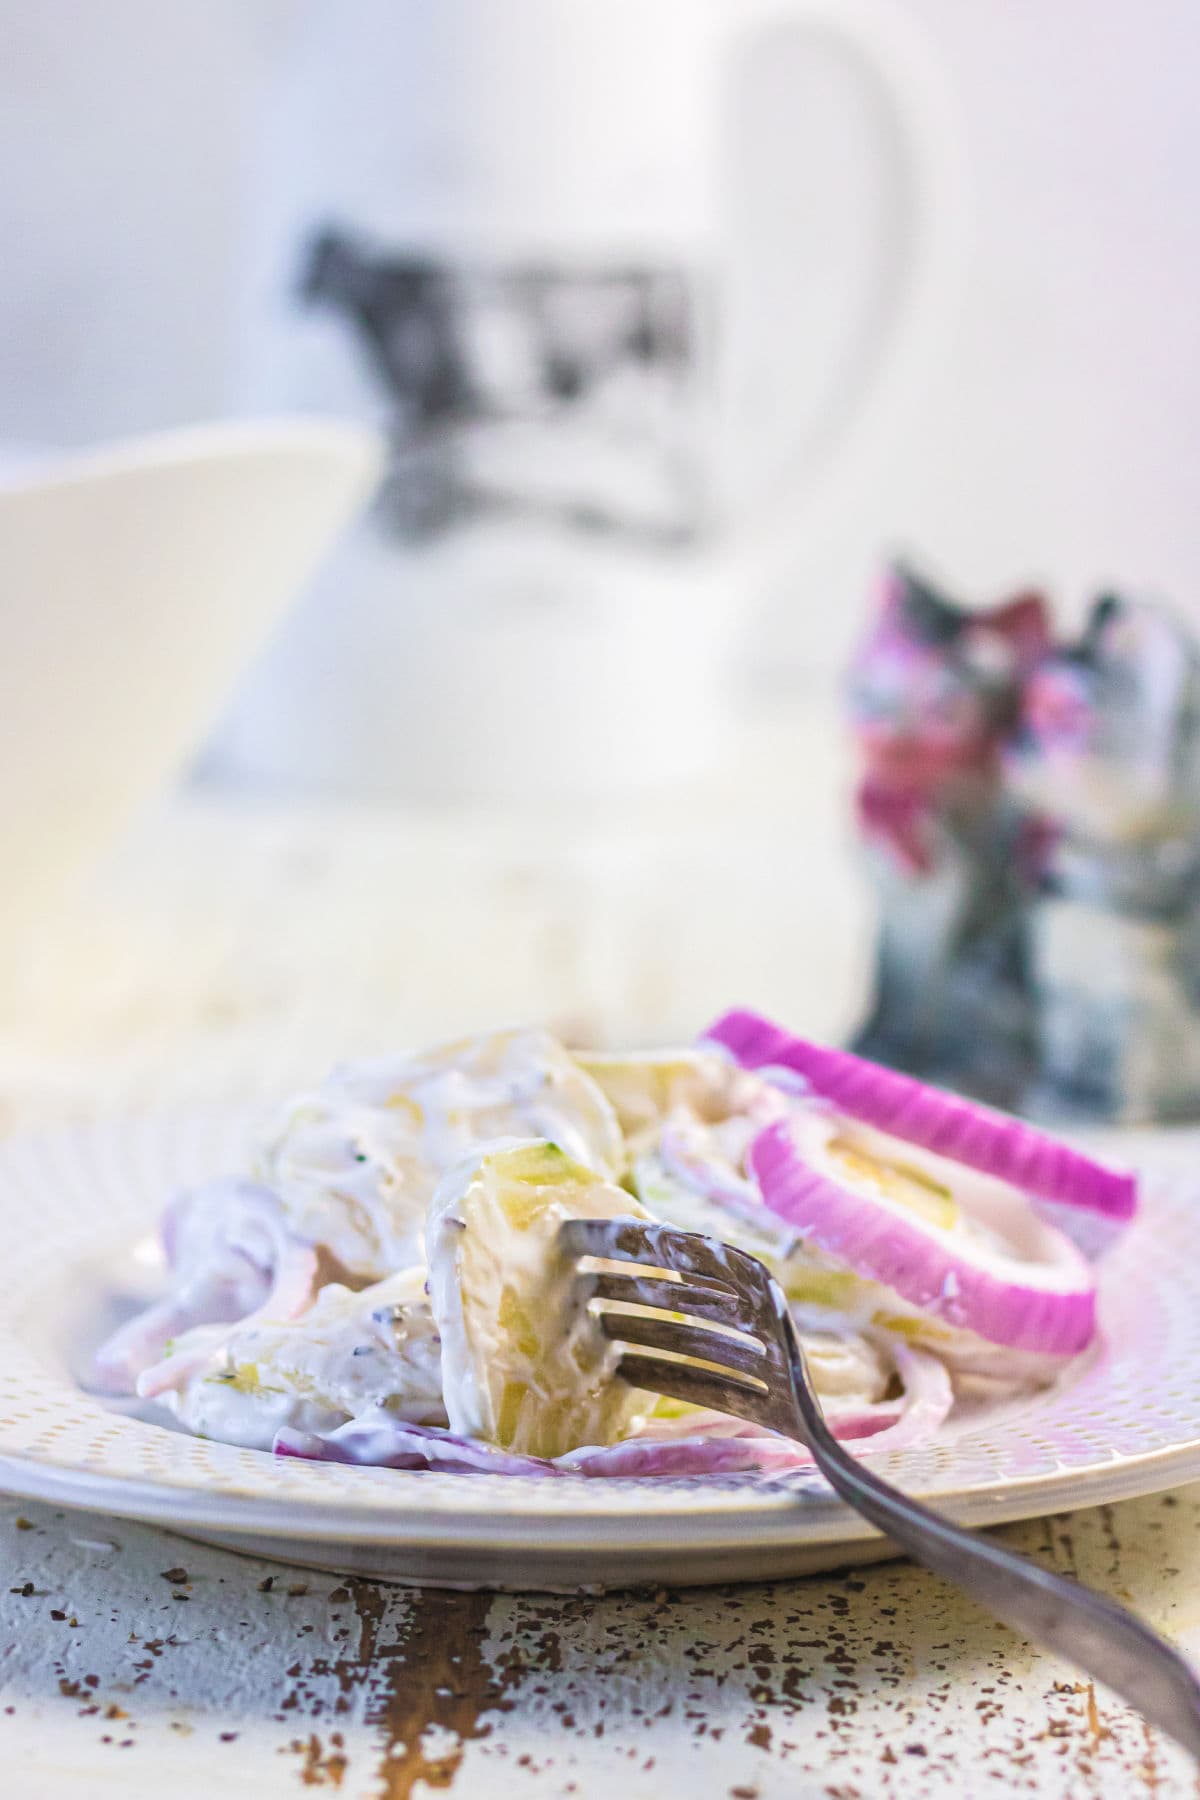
961,1130
1052,1310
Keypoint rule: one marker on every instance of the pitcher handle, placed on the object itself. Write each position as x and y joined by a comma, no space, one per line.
894,57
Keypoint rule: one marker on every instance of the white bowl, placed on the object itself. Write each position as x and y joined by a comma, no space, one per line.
136,581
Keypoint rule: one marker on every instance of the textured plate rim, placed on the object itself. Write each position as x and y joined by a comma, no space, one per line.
820,1521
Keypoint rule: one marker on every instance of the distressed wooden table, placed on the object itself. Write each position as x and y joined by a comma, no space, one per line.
138,1664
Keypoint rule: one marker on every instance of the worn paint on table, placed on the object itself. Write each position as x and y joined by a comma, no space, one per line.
137,1664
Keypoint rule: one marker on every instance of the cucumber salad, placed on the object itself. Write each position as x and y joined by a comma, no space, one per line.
381,1284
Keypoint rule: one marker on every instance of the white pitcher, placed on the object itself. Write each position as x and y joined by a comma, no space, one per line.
565,253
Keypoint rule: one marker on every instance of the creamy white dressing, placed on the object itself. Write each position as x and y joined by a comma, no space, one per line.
350,1351
356,1163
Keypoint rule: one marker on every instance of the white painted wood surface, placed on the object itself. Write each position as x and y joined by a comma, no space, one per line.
137,1664
133,1663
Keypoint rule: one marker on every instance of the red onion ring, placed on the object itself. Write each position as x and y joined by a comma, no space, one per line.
960,1130
1046,1305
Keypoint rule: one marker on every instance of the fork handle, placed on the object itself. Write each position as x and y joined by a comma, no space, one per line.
1086,1628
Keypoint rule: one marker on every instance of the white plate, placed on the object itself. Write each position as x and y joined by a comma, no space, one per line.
76,1212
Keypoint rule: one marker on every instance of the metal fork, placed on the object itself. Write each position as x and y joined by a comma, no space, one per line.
760,1375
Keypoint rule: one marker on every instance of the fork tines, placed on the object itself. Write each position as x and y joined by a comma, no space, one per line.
693,1318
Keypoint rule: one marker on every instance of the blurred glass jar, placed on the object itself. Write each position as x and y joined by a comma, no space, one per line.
627,284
